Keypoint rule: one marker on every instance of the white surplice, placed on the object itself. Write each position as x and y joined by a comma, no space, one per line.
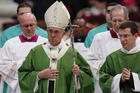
81,49
79,46
103,44
12,56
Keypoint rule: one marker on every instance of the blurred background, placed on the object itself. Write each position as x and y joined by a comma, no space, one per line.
93,11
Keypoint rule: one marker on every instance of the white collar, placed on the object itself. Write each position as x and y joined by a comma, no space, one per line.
132,51
29,37
62,43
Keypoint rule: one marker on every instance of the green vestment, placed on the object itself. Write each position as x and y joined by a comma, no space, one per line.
114,65
37,60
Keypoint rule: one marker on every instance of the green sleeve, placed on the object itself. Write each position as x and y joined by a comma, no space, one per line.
85,77
27,75
105,76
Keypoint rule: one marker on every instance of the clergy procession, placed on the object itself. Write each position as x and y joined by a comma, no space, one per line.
70,55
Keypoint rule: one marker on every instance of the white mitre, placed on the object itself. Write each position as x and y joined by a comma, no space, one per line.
57,16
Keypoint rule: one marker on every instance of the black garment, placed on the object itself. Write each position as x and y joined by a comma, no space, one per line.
51,86
128,82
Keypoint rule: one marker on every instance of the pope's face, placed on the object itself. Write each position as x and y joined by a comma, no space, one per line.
55,35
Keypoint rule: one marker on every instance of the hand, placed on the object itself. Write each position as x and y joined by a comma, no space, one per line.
48,73
75,69
125,75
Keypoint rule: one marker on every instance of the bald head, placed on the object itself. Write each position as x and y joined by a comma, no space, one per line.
27,16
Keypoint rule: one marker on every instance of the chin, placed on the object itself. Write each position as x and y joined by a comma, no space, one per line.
125,47
54,44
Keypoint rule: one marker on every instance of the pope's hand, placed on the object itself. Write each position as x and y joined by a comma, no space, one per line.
48,73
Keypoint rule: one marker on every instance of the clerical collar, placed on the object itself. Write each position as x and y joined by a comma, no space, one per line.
58,46
132,51
24,39
28,37
113,33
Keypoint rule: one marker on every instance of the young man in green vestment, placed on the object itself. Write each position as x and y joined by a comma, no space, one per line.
120,73
49,67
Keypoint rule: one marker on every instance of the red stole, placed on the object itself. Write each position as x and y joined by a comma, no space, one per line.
113,33
24,39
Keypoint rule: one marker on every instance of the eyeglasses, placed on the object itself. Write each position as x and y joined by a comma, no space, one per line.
117,20
55,32
28,25
124,36
21,13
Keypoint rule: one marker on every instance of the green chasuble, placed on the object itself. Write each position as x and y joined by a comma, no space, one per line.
114,65
37,60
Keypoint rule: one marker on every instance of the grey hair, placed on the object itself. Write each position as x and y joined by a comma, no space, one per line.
119,7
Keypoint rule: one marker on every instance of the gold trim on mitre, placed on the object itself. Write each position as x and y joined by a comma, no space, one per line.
57,16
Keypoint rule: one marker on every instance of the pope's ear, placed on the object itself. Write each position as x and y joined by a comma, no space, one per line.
64,33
